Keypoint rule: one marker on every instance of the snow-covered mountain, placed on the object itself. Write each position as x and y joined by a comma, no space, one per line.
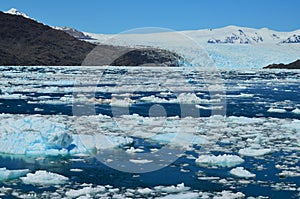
73,32
227,47
234,35
14,11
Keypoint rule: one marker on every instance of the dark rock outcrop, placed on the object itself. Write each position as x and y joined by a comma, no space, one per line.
25,42
148,57
293,65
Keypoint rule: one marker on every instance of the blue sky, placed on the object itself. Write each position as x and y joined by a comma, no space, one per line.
114,16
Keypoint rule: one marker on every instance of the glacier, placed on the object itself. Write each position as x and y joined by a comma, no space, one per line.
230,47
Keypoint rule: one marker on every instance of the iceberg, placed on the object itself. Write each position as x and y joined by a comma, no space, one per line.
33,135
6,174
220,160
39,136
241,172
44,178
190,195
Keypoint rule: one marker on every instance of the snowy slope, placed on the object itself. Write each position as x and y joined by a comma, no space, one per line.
14,11
228,47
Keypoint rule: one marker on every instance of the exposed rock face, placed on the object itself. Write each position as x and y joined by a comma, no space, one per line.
292,39
148,57
293,65
27,42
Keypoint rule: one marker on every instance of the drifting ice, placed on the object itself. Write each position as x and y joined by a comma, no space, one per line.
220,160
44,178
241,172
6,174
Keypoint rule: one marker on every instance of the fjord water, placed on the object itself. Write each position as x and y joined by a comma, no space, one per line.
256,109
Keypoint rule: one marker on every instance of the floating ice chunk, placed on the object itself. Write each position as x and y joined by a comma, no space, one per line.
188,98
135,161
76,170
229,195
172,189
133,150
126,102
44,178
241,172
38,109
6,174
242,95
144,191
220,160
289,174
209,107
182,98
254,152
189,195
296,111
154,99
276,110
85,191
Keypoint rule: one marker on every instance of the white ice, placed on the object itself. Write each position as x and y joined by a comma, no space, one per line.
44,178
276,110
241,172
220,160
6,174
254,152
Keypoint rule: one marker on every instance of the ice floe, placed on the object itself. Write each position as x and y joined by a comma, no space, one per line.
44,178
276,110
220,160
241,172
254,152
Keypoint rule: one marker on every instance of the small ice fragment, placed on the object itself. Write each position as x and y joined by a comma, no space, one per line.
242,173
276,110
133,150
140,161
76,170
145,191
254,152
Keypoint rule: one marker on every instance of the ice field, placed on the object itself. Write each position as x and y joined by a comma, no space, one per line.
76,132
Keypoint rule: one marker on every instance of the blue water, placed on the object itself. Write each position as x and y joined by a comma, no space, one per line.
94,172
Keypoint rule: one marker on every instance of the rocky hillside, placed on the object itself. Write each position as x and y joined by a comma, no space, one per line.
24,41
293,65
